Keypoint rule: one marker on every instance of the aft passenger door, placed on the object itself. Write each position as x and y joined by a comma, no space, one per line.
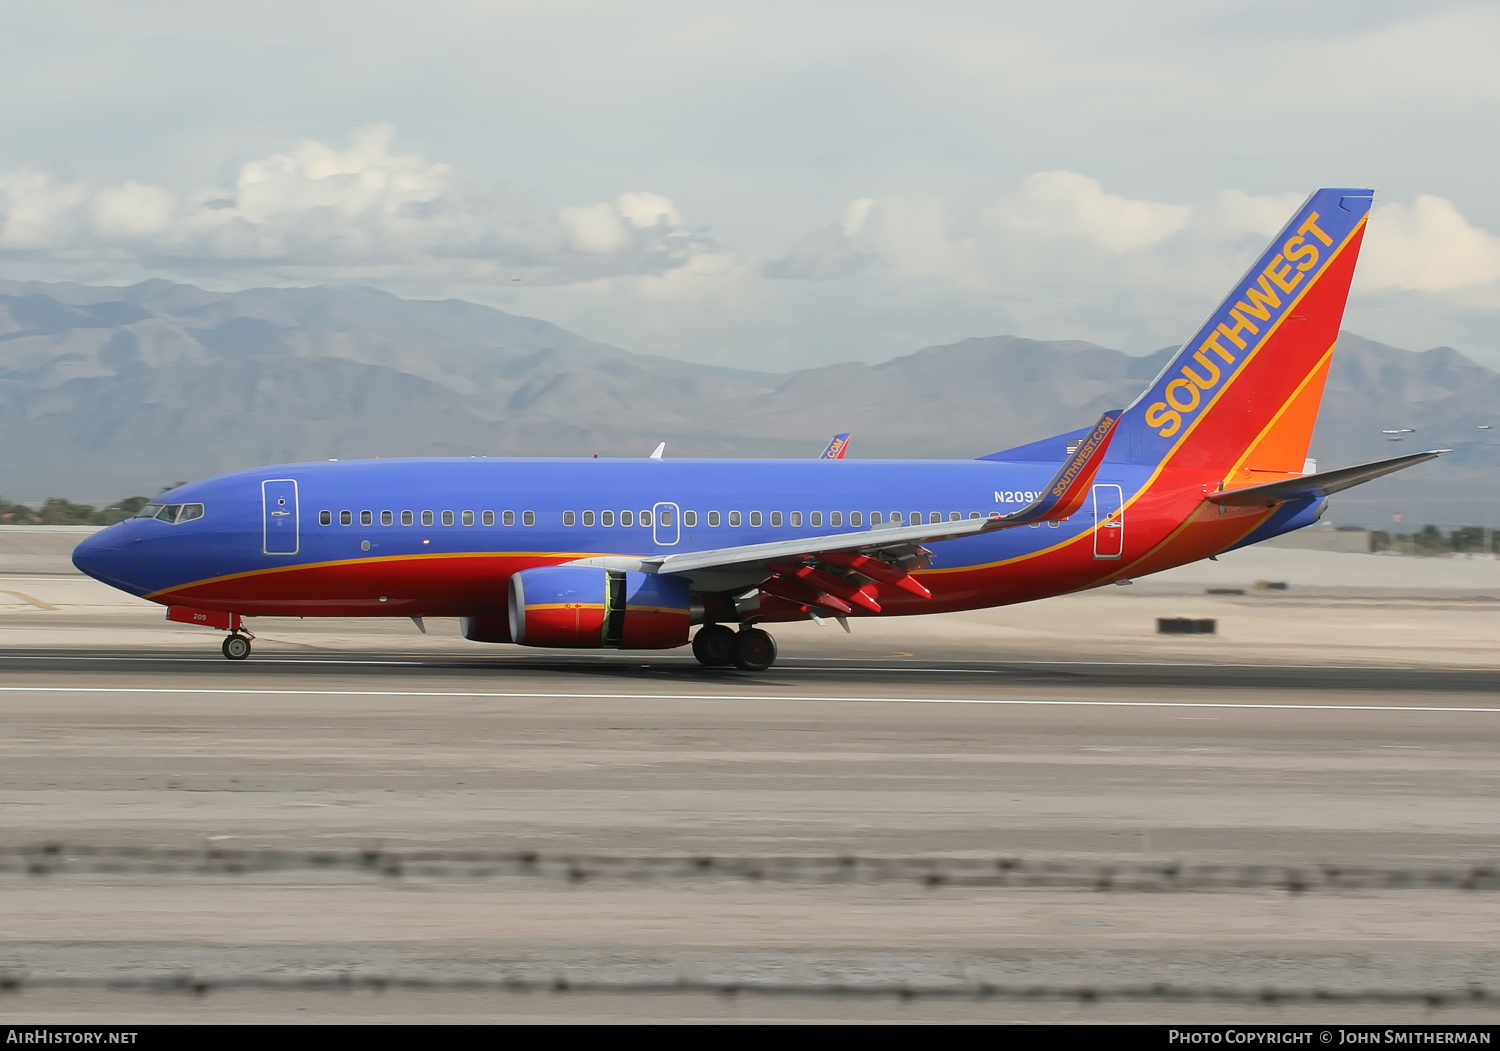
279,519
1109,521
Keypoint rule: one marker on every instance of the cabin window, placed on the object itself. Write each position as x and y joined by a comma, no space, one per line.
367,518
690,518
775,518
427,518
815,518
627,518
874,517
1054,524
975,514
488,518
407,518
835,518
325,518
646,519
588,518
796,518
387,518
468,518
569,518
855,518
508,518
734,518
755,518
713,518
914,518
1033,525
954,516
447,518
346,518
606,518
528,518
666,517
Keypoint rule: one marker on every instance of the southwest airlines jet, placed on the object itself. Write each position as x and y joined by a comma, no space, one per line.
633,554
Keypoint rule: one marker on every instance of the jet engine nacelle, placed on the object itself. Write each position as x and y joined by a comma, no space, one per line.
584,608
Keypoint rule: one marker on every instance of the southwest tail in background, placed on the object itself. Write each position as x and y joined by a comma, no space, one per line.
1240,399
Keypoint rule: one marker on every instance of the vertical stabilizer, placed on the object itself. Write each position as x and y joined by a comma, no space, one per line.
1240,399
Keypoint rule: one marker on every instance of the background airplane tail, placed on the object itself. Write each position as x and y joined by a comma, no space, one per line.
1240,400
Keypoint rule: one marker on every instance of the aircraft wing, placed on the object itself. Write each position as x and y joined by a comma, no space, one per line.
829,573
1064,495
879,539
1323,484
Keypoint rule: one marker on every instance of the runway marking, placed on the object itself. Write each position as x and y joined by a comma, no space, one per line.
207,660
38,603
440,661
533,695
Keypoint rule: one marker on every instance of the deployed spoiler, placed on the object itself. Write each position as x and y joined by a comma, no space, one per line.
1318,485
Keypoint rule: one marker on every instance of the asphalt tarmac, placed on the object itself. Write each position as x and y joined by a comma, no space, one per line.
410,828
1034,813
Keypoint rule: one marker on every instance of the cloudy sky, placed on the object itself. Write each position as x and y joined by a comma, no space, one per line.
763,184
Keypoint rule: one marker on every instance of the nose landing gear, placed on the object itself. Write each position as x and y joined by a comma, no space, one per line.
237,647
749,649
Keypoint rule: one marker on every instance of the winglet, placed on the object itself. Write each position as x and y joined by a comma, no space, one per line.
660,448
836,448
1069,488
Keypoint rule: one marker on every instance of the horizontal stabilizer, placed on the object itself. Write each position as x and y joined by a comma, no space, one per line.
1048,449
1318,485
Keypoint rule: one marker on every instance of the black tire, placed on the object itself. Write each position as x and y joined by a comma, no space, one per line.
714,646
236,647
754,650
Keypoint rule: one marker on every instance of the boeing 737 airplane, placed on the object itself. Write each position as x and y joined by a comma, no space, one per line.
633,553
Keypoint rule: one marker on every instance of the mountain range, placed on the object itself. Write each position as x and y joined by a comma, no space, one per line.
108,391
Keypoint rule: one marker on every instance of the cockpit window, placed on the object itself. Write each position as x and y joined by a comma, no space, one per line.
171,513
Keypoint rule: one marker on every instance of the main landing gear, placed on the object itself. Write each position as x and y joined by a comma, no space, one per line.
237,647
749,649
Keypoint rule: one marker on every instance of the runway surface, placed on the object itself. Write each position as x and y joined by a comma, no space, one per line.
655,836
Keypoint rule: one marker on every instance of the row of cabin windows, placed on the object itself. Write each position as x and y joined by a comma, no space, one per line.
736,519
428,517
758,518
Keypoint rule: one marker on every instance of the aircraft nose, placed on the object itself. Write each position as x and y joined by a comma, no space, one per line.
102,557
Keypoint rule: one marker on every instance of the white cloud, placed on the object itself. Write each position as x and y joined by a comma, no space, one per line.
1058,257
318,212
1427,246
1066,204
1056,254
